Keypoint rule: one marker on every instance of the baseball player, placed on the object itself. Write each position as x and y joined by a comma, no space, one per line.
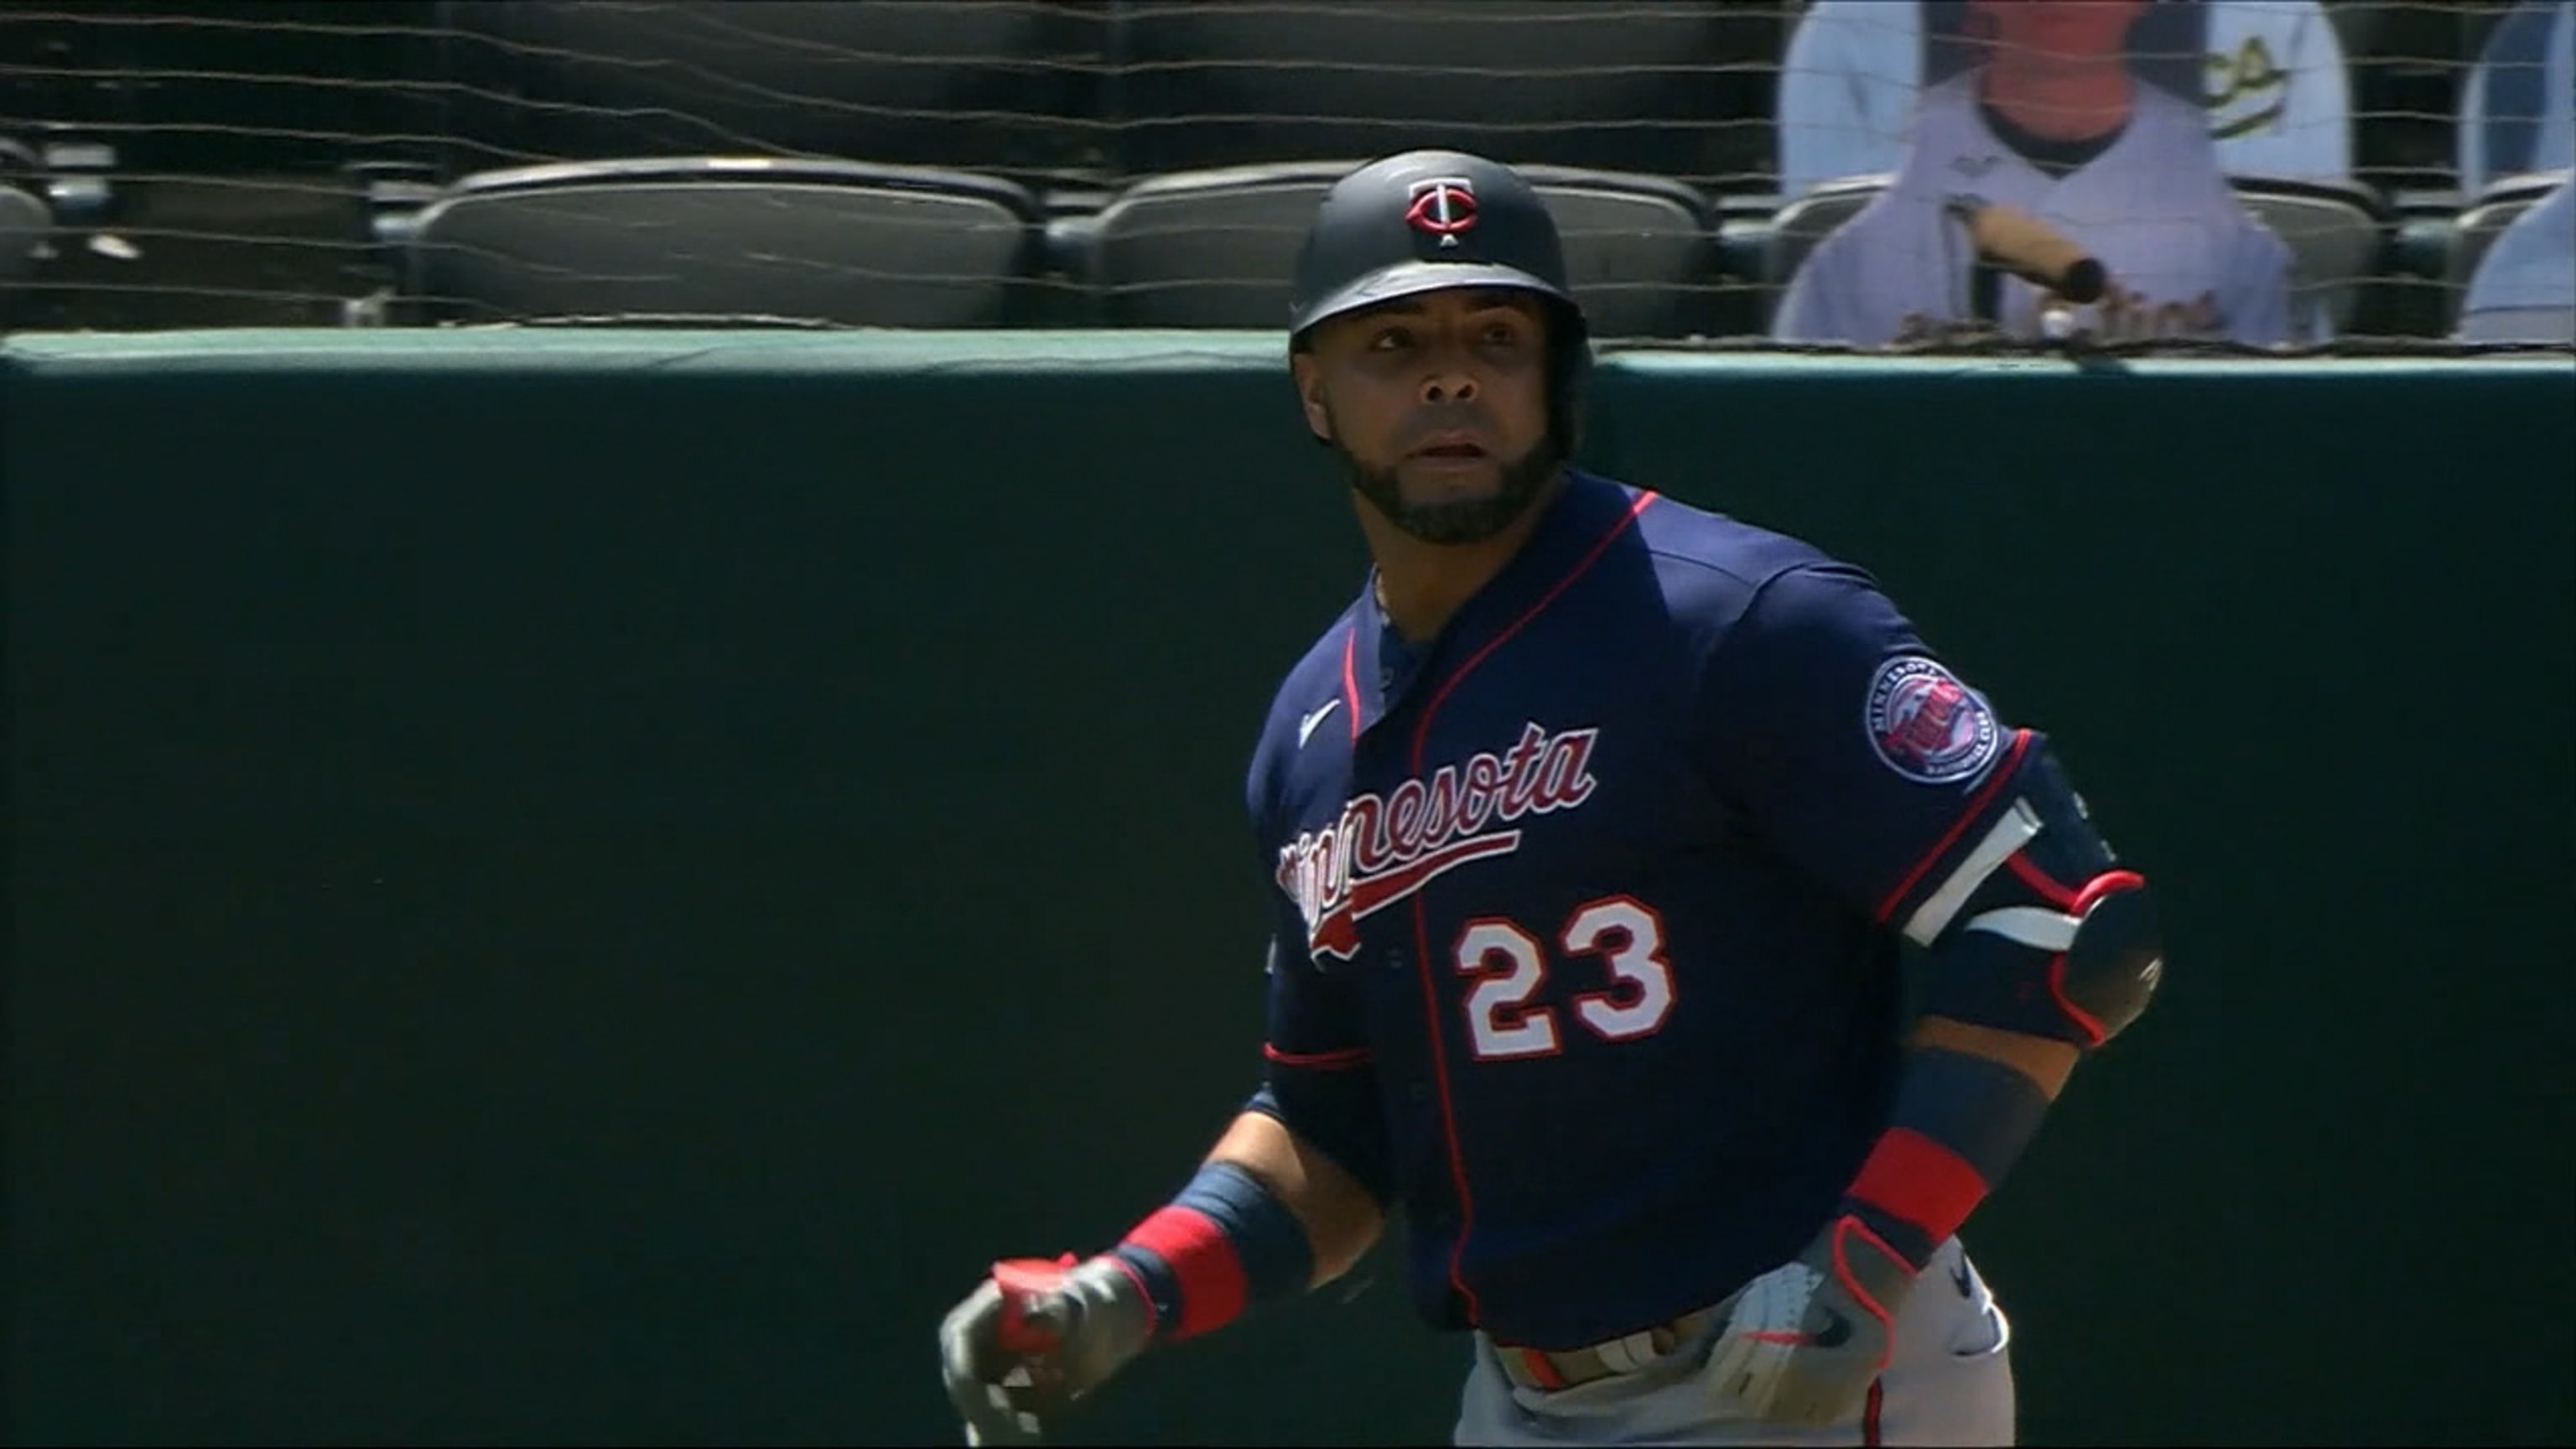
2054,123
2276,93
1594,825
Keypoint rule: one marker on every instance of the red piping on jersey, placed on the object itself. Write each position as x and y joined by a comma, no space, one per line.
1541,1367
1869,1430
2038,880
2085,1021
2102,885
1853,1227
2094,890
1422,926
1976,807
1351,681
1320,1061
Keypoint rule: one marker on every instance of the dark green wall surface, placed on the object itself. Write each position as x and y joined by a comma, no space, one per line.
575,888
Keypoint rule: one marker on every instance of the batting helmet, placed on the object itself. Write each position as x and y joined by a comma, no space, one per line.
1428,220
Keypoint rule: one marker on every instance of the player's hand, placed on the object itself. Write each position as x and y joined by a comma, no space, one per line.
1806,1338
1036,1336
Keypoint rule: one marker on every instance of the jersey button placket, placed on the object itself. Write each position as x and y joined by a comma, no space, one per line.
1417,1089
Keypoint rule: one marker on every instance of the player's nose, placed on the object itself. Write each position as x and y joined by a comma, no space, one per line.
1449,385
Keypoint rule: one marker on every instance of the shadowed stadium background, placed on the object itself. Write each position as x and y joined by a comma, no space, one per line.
576,883
1133,163
579,891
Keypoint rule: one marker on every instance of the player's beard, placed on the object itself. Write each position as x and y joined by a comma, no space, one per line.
1455,520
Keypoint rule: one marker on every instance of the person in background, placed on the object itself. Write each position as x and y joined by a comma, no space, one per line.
2278,97
2052,118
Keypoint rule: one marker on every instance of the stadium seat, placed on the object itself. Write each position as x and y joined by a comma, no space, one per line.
2488,214
25,223
1001,88
1809,219
1656,86
1216,248
2337,232
705,239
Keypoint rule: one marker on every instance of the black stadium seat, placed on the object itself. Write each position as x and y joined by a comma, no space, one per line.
1637,85
728,239
2337,231
27,227
25,223
999,86
1216,248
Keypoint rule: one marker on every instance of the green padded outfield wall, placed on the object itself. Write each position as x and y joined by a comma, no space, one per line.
574,888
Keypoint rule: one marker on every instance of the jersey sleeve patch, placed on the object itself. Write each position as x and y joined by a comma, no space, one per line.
1927,725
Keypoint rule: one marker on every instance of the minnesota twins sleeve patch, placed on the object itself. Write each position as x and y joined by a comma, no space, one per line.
1928,726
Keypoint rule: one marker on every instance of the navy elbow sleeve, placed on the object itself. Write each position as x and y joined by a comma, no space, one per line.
1338,1115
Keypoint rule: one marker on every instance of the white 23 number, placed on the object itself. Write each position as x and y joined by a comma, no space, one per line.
1509,966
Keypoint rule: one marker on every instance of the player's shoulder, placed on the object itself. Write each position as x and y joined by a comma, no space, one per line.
1712,566
1765,599
1704,543
1317,678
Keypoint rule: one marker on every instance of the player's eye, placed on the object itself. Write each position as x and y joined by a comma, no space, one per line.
1390,339
1503,334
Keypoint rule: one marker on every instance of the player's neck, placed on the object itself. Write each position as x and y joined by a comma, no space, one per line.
1424,585
2057,99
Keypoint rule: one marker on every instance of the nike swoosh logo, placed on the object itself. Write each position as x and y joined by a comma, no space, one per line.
1834,1334
1307,725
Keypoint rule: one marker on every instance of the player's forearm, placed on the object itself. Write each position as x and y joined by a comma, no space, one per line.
1969,1101
2047,1061
1342,1221
1268,1216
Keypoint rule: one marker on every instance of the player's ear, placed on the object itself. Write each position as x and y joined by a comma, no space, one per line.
1310,394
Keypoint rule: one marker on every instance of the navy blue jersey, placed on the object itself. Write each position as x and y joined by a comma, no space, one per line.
1589,902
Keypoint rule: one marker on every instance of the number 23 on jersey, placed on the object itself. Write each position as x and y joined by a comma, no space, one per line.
1618,940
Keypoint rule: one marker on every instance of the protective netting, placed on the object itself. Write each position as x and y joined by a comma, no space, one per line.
2247,174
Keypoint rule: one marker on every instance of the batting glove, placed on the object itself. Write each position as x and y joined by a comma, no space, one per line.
1805,1339
1034,1337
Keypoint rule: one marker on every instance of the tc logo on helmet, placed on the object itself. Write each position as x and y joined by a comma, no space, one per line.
1443,207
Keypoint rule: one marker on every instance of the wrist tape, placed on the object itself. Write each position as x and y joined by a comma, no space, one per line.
1225,1244
1960,1122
